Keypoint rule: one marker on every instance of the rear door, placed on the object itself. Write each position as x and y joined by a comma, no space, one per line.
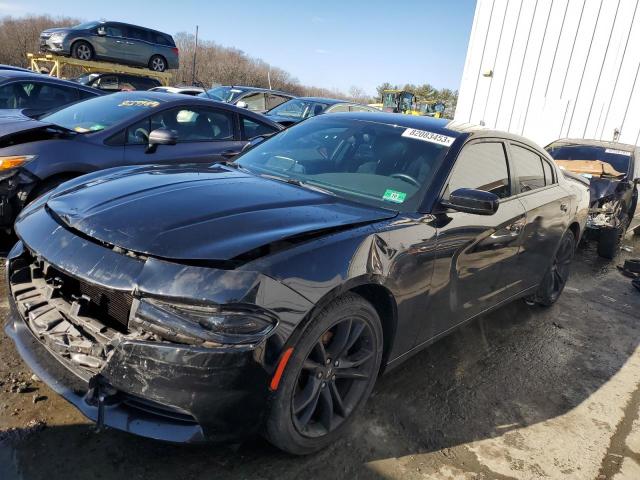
474,251
256,102
548,208
138,48
205,135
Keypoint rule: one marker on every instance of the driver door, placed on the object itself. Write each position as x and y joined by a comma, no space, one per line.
205,135
474,253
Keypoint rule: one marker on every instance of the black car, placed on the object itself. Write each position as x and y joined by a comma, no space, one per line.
612,171
301,108
125,128
35,94
210,302
117,82
252,98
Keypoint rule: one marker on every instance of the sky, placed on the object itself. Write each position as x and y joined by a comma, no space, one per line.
325,43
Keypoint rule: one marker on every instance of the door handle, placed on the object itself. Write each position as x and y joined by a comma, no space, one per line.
563,207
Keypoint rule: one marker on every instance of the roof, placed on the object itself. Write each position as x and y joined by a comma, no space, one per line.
20,74
595,143
330,101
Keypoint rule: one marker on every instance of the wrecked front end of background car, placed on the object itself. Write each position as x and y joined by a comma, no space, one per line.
120,337
607,209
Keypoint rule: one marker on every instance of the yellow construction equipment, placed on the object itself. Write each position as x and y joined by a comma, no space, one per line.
403,101
54,65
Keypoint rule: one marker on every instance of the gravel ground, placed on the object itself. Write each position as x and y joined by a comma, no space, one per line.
522,393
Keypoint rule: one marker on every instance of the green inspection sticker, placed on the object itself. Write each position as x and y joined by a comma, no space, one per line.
394,196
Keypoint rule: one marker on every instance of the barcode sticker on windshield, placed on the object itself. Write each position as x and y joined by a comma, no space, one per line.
617,152
430,137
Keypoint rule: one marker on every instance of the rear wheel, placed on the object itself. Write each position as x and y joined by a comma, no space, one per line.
330,375
157,64
556,277
82,50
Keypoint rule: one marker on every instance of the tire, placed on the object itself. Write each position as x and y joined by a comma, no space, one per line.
557,275
157,63
82,50
315,402
609,241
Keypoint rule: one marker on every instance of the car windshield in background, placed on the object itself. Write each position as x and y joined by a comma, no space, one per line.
222,94
85,26
368,162
618,159
299,109
85,78
101,112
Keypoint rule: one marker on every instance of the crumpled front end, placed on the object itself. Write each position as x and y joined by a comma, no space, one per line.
106,329
606,208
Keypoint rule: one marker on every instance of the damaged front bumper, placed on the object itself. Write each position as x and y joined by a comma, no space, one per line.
72,304
15,187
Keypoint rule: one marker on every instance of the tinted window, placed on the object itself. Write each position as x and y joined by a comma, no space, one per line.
196,124
113,30
254,102
528,167
138,33
36,95
253,128
367,162
84,94
161,39
482,166
548,173
298,109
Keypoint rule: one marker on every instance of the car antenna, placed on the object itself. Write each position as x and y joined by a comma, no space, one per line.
198,83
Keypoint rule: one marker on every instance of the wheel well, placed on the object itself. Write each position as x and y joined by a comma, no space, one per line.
384,303
575,229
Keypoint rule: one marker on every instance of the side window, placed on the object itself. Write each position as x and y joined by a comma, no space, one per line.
360,108
113,30
253,128
108,82
482,166
138,34
528,167
138,133
53,96
84,94
8,96
548,173
196,124
340,107
255,102
275,100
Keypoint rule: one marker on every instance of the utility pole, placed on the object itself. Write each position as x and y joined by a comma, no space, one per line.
195,50
269,77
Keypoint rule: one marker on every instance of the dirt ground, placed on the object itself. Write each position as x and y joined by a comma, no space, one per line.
522,393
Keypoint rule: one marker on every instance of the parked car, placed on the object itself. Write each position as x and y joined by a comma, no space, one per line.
113,41
300,108
126,128
36,94
117,82
252,98
209,302
187,90
612,171
11,67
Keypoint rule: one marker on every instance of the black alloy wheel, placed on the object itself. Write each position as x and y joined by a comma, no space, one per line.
556,277
331,372
334,377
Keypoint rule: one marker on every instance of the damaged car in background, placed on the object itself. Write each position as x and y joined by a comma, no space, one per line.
612,172
193,303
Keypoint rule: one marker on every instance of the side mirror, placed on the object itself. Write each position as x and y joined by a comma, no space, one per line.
469,200
101,31
161,136
242,104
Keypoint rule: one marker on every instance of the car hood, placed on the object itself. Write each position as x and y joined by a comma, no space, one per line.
14,125
200,213
49,31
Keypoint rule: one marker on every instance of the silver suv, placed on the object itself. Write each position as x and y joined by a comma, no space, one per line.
113,41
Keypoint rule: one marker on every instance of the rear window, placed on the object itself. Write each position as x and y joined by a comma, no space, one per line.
161,39
616,158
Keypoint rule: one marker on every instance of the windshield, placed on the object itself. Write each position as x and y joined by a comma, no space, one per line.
102,112
618,159
360,160
389,99
298,108
222,94
85,25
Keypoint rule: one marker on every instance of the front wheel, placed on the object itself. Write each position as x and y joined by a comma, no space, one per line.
157,64
556,277
328,378
82,51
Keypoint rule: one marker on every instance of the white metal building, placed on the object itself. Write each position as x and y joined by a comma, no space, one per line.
548,69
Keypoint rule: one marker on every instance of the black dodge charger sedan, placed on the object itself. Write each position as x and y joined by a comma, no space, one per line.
266,295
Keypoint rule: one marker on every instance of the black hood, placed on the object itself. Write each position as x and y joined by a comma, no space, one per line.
199,213
16,128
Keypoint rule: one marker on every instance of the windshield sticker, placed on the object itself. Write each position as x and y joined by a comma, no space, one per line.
617,152
394,196
139,103
430,137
